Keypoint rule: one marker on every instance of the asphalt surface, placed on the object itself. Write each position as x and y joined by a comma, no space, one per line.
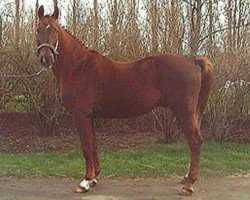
63,189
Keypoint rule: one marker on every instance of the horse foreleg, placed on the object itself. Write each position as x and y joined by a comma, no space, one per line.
83,123
95,155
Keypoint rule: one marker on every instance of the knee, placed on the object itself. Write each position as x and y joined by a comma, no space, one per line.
198,135
197,139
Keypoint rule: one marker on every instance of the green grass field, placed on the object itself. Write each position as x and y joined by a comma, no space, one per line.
217,159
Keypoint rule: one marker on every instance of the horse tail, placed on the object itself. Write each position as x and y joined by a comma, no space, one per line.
206,83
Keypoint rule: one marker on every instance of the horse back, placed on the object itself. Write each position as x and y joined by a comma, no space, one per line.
127,88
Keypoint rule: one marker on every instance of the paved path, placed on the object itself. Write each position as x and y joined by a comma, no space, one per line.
49,189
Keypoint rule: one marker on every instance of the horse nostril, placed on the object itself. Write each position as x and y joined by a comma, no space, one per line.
43,61
51,59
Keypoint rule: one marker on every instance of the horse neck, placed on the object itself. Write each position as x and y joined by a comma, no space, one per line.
72,54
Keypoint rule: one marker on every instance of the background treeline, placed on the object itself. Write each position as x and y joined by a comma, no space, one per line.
133,29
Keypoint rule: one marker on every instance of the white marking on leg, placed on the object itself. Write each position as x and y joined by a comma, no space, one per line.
94,181
86,184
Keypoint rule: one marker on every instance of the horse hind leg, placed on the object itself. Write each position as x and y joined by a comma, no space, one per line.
193,137
199,112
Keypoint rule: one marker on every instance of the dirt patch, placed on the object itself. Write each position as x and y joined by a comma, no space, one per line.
17,135
206,189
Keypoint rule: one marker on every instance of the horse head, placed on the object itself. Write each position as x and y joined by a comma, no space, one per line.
47,37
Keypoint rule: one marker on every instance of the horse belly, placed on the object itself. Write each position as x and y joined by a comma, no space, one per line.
124,107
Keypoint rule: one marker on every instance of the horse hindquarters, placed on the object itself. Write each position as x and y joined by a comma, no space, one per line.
195,141
191,126
206,83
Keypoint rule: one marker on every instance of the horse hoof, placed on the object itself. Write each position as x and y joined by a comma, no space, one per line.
186,192
85,185
94,182
80,190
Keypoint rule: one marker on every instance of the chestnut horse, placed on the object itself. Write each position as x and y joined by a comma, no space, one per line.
93,86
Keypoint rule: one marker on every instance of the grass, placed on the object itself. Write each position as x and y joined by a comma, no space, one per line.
16,106
217,159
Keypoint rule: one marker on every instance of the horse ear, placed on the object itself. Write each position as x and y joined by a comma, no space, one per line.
55,14
40,12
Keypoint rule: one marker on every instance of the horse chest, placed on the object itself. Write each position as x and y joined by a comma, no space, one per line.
68,101
68,94
73,93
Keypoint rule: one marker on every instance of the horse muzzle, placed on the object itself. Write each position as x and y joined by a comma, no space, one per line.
47,54
47,59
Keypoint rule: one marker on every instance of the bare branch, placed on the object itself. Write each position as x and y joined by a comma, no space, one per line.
221,30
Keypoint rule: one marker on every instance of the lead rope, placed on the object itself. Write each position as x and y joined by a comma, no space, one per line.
23,76
54,50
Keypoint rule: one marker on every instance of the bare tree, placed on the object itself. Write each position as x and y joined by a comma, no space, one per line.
229,23
211,20
133,12
114,16
195,23
174,27
36,9
55,2
17,22
1,30
96,24
74,15
154,25
111,36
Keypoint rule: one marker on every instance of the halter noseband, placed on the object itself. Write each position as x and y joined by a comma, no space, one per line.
51,47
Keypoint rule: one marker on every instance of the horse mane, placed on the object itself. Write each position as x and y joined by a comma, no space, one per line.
72,35
77,39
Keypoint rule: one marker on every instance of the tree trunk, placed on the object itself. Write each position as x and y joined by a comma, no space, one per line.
55,3
36,16
229,24
196,27
210,31
74,16
154,26
114,17
1,31
17,23
133,13
96,24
